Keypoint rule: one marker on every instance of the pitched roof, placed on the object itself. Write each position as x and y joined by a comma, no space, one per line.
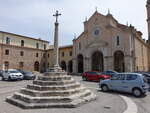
24,36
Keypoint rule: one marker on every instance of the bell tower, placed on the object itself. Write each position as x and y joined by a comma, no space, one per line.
148,19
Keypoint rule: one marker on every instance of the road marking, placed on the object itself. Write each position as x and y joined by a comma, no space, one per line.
131,106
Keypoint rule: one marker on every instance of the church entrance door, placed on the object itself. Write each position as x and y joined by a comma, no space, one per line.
97,61
36,66
80,63
119,65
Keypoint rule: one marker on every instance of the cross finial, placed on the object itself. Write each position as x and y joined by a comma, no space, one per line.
56,15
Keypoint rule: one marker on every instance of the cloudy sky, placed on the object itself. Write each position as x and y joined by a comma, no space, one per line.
34,17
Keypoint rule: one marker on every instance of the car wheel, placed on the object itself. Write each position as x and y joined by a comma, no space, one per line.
137,92
84,78
105,88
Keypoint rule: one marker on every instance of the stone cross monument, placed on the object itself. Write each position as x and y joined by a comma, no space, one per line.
56,48
54,89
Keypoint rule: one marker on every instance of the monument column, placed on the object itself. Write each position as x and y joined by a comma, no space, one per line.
56,47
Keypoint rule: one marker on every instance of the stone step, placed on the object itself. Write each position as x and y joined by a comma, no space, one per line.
53,99
54,87
47,83
55,73
72,104
54,78
36,93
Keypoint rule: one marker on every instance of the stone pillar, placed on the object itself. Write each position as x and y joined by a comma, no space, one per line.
128,64
87,64
108,63
56,49
75,65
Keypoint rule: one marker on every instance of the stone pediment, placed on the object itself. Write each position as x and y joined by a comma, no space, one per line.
97,43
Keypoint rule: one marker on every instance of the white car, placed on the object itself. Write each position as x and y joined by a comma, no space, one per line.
12,74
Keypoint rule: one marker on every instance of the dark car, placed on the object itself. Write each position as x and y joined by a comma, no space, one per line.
1,72
28,75
94,76
145,74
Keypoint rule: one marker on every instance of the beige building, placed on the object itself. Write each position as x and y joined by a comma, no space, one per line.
21,52
65,58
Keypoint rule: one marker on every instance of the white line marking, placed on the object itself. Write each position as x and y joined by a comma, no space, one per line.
131,106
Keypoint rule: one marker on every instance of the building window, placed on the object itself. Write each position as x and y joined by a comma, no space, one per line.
6,63
21,65
118,41
7,52
37,54
7,40
44,46
62,54
70,53
21,53
79,46
37,45
22,42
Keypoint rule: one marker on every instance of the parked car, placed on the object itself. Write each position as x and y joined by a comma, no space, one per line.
27,75
94,76
1,72
109,72
12,74
126,82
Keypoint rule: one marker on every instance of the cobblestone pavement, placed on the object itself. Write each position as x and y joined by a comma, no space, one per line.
105,103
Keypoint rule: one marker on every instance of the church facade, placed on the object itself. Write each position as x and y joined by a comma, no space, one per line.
105,44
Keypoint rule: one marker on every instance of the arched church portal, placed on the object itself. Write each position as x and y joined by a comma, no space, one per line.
119,61
36,66
70,66
63,65
97,61
80,63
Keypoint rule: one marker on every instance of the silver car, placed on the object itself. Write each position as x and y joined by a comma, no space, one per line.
12,74
126,82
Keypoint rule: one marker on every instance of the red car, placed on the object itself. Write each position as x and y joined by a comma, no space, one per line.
94,76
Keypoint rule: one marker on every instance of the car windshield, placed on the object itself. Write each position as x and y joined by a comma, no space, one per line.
13,71
27,72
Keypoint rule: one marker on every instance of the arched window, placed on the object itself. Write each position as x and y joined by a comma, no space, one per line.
37,45
118,41
7,40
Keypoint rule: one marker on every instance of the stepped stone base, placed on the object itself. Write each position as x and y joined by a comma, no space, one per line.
52,90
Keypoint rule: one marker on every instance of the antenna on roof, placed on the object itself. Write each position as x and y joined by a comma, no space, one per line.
108,11
96,8
75,36
86,18
127,23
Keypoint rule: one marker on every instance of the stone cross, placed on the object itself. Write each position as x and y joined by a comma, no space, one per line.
56,15
56,48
